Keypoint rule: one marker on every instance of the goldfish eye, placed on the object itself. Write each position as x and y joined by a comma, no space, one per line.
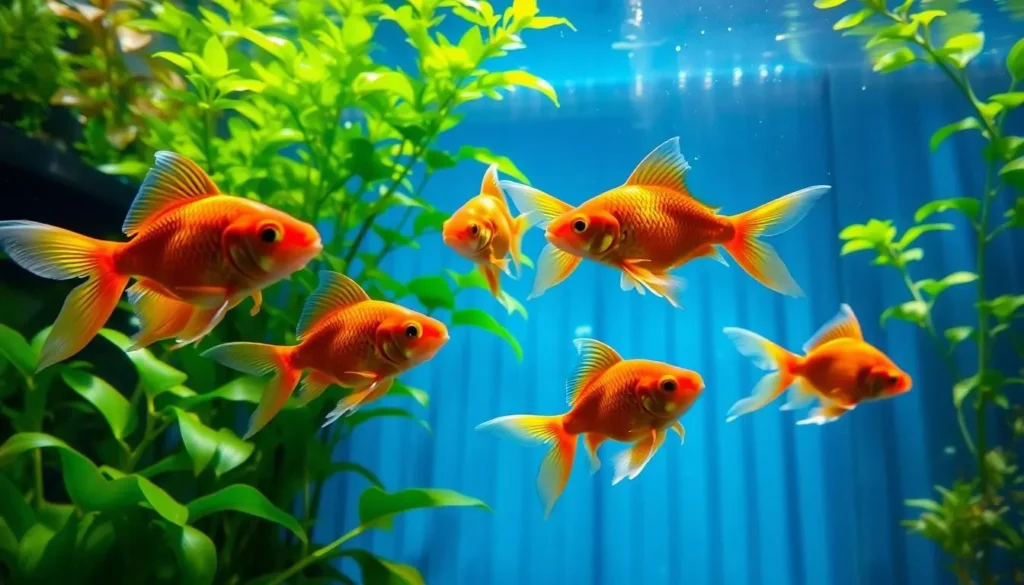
270,234
412,330
893,380
668,385
474,229
579,226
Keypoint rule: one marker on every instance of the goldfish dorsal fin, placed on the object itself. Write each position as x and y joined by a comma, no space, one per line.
595,359
173,179
844,324
665,167
489,185
334,292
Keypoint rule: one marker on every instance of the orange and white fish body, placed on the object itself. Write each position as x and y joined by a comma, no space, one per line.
344,338
630,401
194,252
652,225
839,369
484,231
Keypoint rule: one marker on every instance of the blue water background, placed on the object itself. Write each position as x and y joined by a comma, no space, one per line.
756,501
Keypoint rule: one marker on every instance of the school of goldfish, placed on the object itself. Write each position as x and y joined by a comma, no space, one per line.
195,253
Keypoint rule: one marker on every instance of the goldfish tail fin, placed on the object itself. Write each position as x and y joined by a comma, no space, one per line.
759,259
767,356
59,254
557,465
259,359
520,226
543,207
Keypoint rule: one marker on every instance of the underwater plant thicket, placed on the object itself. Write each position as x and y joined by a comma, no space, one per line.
127,468
982,511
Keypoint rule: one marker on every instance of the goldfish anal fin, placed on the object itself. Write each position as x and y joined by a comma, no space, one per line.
528,199
553,266
160,316
663,285
334,292
358,398
593,442
313,385
201,323
800,395
595,359
826,413
843,325
173,179
257,303
489,184
630,462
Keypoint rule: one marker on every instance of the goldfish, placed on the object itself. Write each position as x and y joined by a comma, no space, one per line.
484,231
630,401
194,253
839,368
345,338
652,224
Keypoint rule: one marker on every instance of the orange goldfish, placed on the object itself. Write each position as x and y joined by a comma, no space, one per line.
484,231
652,224
194,252
631,401
345,338
840,369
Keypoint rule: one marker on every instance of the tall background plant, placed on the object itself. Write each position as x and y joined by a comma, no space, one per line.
981,511
287,103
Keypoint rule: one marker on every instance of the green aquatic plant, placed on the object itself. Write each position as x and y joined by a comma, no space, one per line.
30,68
283,102
983,510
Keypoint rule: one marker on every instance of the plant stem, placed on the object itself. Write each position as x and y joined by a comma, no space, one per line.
316,555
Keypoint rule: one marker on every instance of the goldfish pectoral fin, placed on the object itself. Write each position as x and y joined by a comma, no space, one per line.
504,265
593,441
357,399
507,302
553,266
823,414
492,277
160,316
172,179
520,226
680,430
257,303
800,395
630,462
202,323
259,359
59,254
313,385
203,296
628,283
529,200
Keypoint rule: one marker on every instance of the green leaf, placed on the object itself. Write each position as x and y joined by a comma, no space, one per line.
911,255
377,507
377,570
242,389
155,376
968,123
527,80
1013,172
176,59
197,555
853,232
1008,100
365,414
483,320
962,389
927,16
964,47
356,31
542,22
14,510
17,350
200,440
852,246
956,335
894,60
279,47
826,4
433,292
87,486
215,57
485,156
930,505
968,206
934,288
112,405
852,20
420,396
246,499
180,461
354,468
916,231
912,311
246,85
387,81
131,168
232,451
1003,307
1015,61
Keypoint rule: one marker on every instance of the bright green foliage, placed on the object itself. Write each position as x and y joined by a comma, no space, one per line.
292,103
985,511
30,70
